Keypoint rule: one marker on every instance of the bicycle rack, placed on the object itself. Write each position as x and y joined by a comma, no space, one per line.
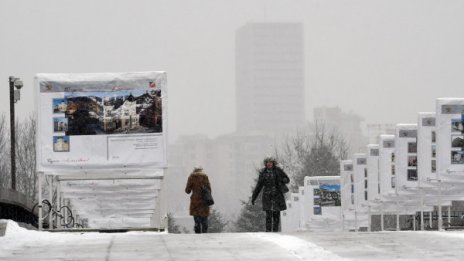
64,215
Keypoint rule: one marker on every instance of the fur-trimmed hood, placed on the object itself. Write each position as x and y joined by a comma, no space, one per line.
198,171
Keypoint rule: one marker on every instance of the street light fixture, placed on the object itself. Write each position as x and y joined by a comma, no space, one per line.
15,85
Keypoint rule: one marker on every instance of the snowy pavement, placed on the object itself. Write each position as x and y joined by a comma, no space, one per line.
21,244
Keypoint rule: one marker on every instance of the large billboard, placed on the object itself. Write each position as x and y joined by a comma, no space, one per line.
450,136
101,121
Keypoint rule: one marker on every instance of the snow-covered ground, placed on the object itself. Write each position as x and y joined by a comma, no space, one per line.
21,244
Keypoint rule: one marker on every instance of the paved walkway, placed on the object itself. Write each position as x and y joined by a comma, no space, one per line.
134,246
407,245
147,246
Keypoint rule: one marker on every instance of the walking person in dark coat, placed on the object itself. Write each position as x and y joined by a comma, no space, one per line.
272,180
198,209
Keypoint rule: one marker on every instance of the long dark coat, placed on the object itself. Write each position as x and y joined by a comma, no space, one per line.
271,181
195,181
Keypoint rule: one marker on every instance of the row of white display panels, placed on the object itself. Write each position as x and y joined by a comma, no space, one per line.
316,207
411,172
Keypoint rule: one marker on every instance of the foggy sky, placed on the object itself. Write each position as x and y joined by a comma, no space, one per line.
384,60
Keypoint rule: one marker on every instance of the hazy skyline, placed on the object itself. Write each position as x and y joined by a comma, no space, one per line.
384,60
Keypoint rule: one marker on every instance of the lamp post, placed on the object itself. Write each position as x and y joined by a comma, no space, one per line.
14,97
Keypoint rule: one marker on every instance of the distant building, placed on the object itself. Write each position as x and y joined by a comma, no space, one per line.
269,76
375,130
347,124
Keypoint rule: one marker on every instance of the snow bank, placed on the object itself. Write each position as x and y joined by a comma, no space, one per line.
301,249
13,231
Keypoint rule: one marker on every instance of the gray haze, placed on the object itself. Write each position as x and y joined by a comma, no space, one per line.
383,60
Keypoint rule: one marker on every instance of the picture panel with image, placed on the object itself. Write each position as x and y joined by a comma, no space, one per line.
412,161
412,174
59,105
412,147
330,194
457,157
457,126
61,143
103,113
60,124
317,210
457,141
94,121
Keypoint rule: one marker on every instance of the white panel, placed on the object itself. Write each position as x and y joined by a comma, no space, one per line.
373,152
386,166
426,147
360,181
406,156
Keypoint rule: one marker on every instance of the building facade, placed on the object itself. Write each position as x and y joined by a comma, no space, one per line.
270,76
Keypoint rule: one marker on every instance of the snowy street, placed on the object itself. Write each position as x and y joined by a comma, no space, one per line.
21,244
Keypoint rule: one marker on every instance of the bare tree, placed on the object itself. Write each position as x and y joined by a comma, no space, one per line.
5,177
26,157
315,151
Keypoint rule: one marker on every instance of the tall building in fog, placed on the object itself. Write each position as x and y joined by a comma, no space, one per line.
269,71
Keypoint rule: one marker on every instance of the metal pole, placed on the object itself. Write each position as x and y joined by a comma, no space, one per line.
397,214
355,221
449,216
422,210
439,218
343,222
164,209
369,219
58,204
430,219
66,214
414,222
381,217
50,199
12,134
39,178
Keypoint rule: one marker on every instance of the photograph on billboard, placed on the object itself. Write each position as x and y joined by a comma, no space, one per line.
59,105
60,124
106,113
412,147
457,141
329,195
412,161
412,174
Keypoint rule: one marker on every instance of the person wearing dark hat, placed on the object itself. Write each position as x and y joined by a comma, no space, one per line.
198,209
272,180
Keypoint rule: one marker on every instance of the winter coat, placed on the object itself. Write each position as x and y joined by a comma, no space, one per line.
271,182
194,184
